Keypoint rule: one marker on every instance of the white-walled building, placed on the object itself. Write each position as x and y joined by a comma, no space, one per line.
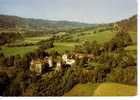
58,66
50,62
36,66
67,60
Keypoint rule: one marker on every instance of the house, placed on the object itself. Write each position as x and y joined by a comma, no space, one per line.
58,66
70,61
67,60
40,65
36,66
79,56
50,62
64,57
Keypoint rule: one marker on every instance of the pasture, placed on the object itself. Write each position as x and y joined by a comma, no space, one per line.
115,89
91,35
35,39
17,50
82,90
102,89
62,47
100,37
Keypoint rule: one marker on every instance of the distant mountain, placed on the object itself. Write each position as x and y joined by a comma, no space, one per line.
15,22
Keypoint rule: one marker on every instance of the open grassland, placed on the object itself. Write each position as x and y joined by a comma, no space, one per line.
90,35
69,44
30,40
82,90
62,47
35,39
103,89
100,37
22,50
115,89
17,50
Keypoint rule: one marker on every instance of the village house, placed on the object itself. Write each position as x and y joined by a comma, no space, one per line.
67,60
36,66
40,65
58,66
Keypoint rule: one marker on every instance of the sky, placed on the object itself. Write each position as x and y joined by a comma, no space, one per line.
88,11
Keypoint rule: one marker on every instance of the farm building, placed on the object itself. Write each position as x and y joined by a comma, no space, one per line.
36,66
68,60
40,65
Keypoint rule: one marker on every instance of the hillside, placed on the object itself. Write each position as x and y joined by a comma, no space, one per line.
129,24
15,22
104,59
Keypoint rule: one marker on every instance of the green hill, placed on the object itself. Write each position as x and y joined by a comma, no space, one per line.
16,22
130,25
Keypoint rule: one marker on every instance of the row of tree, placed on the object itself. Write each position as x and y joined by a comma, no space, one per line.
8,37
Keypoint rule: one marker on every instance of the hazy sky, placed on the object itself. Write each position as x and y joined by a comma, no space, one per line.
91,11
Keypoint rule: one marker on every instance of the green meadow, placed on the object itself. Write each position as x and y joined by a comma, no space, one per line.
17,50
103,89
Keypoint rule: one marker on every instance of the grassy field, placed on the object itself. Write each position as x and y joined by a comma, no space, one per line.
103,89
115,89
35,39
23,50
62,47
82,90
17,50
100,37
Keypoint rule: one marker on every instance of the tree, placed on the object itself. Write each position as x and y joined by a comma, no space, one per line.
121,39
15,89
17,61
10,61
4,82
2,60
123,75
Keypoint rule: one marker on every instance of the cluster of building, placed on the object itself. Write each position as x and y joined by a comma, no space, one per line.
42,65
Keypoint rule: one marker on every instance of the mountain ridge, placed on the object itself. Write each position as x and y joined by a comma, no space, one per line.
7,21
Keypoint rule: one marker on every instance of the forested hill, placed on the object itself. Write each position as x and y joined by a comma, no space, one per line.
29,23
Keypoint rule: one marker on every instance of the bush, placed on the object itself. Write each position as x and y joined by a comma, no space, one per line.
123,75
4,82
122,39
